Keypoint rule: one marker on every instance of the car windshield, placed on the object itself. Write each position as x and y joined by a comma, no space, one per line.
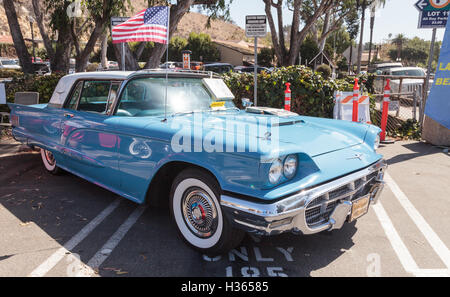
409,72
146,97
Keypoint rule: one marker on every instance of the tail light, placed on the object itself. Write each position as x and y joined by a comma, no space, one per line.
14,120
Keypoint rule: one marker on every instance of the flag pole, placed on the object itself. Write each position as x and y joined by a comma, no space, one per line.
167,62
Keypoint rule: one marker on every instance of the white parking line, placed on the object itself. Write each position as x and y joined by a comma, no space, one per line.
436,243
46,266
114,240
398,245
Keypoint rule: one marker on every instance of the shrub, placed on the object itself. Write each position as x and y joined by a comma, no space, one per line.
325,70
44,85
312,95
10,73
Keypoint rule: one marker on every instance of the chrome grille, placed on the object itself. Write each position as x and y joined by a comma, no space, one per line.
320,208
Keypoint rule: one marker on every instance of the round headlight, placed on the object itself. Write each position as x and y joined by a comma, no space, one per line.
290,166
275,171
376,144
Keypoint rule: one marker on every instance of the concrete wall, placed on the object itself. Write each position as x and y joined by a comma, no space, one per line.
435,133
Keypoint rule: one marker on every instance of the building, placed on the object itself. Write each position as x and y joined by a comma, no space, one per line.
375,55
236,53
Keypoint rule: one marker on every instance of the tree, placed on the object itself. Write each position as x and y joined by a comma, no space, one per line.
334,19
352,21
361,4
309,49
266,57
214,8
300,8
16,33
70,21
399,40
202,48
373,8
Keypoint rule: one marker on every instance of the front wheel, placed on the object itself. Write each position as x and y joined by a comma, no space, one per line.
49,162
197,213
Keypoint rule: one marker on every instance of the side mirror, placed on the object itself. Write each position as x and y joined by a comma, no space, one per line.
246,102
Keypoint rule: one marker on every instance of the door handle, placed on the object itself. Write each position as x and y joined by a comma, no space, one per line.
68,115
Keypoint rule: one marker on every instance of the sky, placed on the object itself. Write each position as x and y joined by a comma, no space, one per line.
398,16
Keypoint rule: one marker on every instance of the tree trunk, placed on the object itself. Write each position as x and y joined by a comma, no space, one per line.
131,63
40,22
83,57
350,63
104,50
360,47
19,43
372,20
176,13
326,25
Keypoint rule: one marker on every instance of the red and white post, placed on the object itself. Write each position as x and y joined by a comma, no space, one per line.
384,115
287,97
355,101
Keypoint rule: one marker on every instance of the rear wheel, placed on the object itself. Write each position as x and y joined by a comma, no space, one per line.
49,162
195,207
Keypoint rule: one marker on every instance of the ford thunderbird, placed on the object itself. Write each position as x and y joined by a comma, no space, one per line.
224,171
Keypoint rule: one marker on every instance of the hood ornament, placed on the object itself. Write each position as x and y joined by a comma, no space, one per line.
356,156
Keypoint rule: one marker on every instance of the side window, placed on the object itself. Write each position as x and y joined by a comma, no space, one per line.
94,96
73,101
141,98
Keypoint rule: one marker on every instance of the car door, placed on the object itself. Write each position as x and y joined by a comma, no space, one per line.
89,137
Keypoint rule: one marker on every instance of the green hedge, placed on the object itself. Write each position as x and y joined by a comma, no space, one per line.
312,95
44,85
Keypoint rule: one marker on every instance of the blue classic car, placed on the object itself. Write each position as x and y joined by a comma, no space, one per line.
177,136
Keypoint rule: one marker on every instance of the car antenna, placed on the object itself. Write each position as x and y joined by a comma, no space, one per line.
167,65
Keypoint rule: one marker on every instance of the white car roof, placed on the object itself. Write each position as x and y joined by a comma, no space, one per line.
405,68
65,83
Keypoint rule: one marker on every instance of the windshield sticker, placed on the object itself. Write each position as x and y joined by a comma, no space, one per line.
217,104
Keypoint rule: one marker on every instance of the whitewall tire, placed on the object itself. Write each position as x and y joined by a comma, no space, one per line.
49,162
195,208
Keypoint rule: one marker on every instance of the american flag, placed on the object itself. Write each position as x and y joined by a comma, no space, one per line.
151,24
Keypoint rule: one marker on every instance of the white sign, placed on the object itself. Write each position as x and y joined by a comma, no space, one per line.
218,88
255,26
2,94
343,108
118,20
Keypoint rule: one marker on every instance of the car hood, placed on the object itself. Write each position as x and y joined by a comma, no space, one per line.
294,134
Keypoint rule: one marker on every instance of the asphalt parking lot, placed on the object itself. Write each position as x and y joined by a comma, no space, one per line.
65,226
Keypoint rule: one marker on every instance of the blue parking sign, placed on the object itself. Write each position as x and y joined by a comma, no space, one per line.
433,13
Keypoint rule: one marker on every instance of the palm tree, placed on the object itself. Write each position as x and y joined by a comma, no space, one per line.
363,4
375,5
399,40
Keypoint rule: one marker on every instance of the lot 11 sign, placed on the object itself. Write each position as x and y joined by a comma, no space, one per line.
433,13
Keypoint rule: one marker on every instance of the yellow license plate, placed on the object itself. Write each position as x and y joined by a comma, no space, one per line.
360,207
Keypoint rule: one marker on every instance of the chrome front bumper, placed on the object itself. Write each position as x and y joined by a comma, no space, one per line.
325,207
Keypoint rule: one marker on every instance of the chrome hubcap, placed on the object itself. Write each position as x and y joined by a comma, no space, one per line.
50,158
200,213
